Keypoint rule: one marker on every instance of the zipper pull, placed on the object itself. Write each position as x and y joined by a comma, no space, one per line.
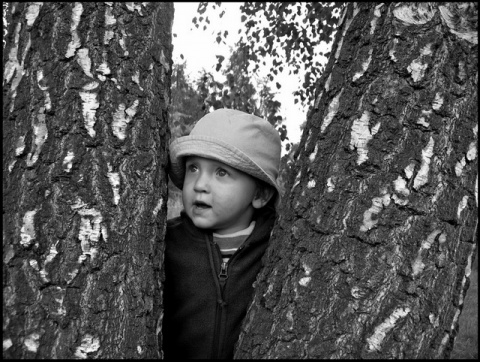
223,271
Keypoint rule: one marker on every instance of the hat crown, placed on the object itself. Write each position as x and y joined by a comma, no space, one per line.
252,135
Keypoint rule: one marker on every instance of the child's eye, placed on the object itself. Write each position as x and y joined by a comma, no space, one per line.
191,168
221,172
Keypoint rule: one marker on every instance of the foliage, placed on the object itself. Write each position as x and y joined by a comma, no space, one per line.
185,106
289,32
238,91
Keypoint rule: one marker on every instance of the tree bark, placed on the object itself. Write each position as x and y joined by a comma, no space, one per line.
372,253
85,121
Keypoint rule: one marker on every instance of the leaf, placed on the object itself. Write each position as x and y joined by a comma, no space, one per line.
278,85
181,56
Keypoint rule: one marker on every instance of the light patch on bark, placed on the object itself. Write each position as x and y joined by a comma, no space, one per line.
89,107
437,102
365,65
361,135
48,102
391,53
34,264
32,342
458,23
17,67
472,151
297,181
414,13
121,41
375,340
422,175
304,281
330,185
136,79
40,132
163,61
59,297
418,265
104,232
378,203
122,117
311,184
32,13
89,344
132,7
459,166
443,344
313,154
377,14
332,111
90,86
157,207
27,232
109,34
289,316
90,229
461,205
67,161
7,343
400,185
409,170
398,200
114,179
347,25
434,320
85,61
104,69
421,121
20,146
327,85
12,63
476,190
417,68
109,17
51,255
309,138
75,42
11,165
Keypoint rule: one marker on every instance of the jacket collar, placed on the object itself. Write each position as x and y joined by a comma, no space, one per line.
264,220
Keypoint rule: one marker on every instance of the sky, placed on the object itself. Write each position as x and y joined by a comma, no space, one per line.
199,50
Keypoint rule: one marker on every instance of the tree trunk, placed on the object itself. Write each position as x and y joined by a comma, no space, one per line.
85,122
372,253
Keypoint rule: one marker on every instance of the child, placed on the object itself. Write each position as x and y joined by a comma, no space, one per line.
227,169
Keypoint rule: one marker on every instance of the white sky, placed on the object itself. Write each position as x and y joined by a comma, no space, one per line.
199,49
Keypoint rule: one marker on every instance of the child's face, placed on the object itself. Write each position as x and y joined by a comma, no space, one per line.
217,196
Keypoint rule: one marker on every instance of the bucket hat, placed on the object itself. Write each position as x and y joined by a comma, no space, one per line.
240,140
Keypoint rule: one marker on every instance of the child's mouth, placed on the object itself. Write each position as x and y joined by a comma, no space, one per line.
201,205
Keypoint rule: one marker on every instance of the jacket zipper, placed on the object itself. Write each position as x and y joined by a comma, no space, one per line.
220,314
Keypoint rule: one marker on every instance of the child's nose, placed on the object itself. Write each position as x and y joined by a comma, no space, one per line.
201,183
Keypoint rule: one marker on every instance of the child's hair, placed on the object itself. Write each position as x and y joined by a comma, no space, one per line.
241,140
264,188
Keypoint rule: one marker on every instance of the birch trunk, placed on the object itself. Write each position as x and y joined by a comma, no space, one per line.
372,253
86,91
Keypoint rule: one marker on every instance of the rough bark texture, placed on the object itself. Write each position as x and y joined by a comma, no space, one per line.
372,254
85,122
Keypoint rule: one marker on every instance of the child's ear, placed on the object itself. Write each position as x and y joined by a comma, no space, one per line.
262,197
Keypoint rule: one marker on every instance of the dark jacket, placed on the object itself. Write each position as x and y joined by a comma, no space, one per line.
204,304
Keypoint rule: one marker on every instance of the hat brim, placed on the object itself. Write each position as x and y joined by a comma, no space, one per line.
213,148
